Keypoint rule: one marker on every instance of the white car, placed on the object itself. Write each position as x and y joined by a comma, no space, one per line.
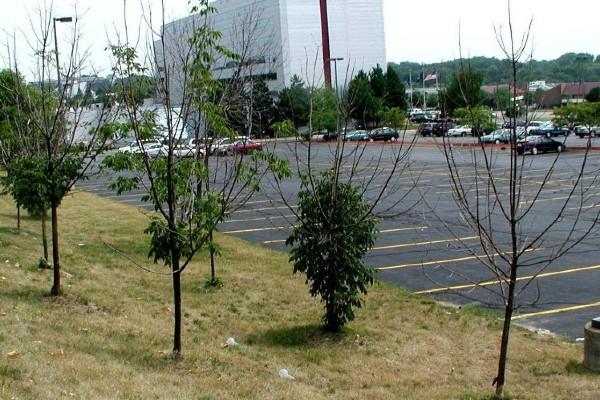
535,125
218,146
183,150
134,147
460,131
152,149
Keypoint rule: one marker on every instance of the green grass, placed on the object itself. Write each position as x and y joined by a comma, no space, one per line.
109,335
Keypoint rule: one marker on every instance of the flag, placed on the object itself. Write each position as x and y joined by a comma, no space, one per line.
431,77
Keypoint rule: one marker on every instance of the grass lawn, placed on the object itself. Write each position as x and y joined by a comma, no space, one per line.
109,335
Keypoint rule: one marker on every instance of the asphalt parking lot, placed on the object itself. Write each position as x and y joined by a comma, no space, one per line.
425,246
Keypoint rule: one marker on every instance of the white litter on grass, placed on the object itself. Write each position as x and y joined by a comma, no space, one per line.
17,265
7,261
231,342
580,339
81,244
283,373
544,332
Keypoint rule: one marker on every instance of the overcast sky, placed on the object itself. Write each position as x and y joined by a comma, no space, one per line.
422,31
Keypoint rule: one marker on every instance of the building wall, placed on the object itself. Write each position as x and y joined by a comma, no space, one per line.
286,39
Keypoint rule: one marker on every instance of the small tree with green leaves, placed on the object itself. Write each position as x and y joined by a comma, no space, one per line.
332,225
191,196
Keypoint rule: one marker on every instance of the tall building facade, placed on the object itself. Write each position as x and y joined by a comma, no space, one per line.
282,38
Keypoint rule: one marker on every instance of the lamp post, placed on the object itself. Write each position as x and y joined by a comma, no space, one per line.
337,98
54,21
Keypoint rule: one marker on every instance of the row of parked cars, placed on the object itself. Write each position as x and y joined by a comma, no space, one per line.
189,147
384,134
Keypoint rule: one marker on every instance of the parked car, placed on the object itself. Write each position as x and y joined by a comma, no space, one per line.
550,130
537,144
243,146
357,136
533,125
426,129
327,136
384,134
518,123
134,147
442,128
152,149
460,130
182,150
217,145
497,137
583,131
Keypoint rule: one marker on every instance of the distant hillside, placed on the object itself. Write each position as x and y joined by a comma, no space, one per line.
570,67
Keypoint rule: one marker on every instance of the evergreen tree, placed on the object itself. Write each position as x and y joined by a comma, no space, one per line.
363,105
395,93
293,102
378,83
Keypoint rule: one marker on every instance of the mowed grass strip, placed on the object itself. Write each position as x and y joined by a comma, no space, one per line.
109,335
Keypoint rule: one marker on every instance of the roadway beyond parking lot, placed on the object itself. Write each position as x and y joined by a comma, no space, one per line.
425,246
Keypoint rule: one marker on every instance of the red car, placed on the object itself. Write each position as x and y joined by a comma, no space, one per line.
243,146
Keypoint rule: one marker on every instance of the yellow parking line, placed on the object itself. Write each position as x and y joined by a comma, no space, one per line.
383,231
556,311
496,282
402,245
272,228
438,262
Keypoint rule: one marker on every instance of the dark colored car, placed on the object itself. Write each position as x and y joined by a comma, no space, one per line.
384,134
539,144
357,136
330,136
441,128
550,131
426,129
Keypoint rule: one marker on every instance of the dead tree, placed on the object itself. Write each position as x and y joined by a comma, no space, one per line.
501,209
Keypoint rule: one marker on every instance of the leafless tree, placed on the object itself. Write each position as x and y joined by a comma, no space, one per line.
499,201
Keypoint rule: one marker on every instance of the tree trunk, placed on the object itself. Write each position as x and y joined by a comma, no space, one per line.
55,253
18,218
177,309
500,378
45,235
212,258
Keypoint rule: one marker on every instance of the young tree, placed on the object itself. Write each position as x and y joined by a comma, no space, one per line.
593,96
324,115
55,136
193,195
500,203
339,207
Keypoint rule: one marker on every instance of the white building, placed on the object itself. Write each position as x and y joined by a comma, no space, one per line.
285,38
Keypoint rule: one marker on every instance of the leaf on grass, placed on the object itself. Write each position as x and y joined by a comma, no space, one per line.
13,354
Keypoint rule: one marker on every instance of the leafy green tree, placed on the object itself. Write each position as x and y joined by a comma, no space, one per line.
480,118
464,90
586,114
324,110
393,117
27,183
293,103
395,92
191,195
361,101
378,82
331,238
593,96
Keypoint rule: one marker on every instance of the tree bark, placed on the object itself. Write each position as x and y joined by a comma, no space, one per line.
500,378
45,235
18,218
56,290
212,259
177,310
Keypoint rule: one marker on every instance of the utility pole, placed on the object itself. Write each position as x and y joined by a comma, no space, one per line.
337,95
325,40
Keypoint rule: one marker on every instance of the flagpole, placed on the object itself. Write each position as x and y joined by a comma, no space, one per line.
424,94
411,89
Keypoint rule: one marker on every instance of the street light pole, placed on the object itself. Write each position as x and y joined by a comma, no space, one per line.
337,96
54,21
